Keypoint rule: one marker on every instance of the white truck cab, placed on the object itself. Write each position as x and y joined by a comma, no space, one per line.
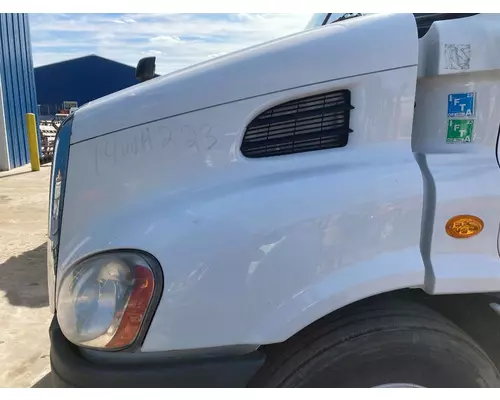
321,210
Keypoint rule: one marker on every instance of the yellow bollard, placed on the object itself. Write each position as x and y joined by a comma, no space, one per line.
33,142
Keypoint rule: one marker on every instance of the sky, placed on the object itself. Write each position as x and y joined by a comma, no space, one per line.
177,40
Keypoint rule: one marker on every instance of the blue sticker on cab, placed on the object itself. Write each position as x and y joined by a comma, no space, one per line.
461,105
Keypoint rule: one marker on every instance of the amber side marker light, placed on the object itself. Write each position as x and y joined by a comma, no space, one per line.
464,226
135,310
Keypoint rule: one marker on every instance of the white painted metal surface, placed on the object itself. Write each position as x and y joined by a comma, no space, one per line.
271,244
475,38
465,176
306,58
255,250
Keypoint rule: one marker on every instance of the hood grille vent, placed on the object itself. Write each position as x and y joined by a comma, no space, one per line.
311,123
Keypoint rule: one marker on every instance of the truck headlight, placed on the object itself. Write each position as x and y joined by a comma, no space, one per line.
103,301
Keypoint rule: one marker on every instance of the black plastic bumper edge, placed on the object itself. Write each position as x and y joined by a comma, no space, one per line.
70,369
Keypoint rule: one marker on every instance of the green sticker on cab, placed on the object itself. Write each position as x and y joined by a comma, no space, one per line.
460,131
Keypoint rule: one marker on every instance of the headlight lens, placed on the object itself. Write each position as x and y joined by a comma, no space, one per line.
102,302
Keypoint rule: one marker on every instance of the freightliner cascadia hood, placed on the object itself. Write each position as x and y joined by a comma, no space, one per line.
308,57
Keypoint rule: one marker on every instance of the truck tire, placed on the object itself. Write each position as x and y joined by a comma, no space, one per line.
391,344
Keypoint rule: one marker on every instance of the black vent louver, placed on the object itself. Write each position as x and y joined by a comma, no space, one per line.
311,123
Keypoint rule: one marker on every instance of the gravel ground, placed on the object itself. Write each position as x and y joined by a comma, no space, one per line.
24,311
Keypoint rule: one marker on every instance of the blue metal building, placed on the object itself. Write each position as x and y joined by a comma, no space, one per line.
17,89
81,79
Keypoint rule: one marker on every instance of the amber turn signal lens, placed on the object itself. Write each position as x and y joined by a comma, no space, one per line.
464,226
136,308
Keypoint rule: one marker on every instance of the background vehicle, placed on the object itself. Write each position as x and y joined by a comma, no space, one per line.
319,210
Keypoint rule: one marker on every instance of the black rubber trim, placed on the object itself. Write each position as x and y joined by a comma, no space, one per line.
70,369
496,146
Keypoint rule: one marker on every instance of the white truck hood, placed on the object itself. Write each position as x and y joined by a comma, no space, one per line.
348,48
